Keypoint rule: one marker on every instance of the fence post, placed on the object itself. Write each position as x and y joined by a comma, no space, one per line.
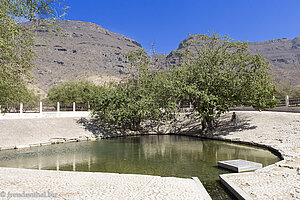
41,107
21,107
287,101
74,106
58,107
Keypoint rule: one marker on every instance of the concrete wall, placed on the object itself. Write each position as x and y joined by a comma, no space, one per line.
24,130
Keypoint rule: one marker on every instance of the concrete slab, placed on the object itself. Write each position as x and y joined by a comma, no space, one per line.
233,188
202,188
22,146
96,185
8,148
22,132
239,165
45,143
35,145
73,140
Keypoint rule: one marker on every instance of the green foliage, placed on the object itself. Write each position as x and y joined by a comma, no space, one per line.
16,59
16,42
17,94
287,89
79,92
143,96
217,73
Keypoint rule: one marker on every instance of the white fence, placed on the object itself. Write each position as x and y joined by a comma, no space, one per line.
58,107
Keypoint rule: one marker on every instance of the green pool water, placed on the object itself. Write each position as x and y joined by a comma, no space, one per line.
162,155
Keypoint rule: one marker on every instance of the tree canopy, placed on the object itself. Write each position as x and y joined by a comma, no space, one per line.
79,92
217,73
144,95
214,75
16,43
285,89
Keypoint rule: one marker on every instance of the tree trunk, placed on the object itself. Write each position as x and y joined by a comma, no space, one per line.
135,125
207,124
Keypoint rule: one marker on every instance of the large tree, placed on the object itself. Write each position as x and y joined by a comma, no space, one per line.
16,43
217,73
79,92
144,95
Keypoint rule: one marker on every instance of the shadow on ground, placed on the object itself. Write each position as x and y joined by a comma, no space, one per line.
186,124
225,125
98,130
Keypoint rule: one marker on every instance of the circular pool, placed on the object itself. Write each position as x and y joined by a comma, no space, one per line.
162,155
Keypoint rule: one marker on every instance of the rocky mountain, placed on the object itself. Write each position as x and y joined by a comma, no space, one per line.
81,50
159,60
283,55
88,51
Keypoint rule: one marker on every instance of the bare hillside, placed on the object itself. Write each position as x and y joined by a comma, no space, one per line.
283,55
90,52
87,51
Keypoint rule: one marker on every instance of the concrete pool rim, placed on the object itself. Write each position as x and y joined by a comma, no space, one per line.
275,151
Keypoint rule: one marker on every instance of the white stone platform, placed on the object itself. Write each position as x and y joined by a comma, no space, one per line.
95,185
239,165
279,131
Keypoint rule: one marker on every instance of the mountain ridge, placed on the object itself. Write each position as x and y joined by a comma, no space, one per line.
91,52
283,55
86,50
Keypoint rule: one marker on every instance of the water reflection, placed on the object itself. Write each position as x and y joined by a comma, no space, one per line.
131,150
162,155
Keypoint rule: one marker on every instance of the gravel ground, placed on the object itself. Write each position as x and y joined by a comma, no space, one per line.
280,131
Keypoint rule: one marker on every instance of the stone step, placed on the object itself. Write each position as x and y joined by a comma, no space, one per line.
239,165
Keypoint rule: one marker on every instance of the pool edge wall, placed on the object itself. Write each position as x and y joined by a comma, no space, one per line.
233,188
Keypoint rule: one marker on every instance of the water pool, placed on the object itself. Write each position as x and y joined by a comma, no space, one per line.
162,155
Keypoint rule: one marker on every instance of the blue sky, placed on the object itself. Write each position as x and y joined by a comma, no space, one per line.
167,23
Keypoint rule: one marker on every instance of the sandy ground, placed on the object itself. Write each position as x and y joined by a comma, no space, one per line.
275,129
